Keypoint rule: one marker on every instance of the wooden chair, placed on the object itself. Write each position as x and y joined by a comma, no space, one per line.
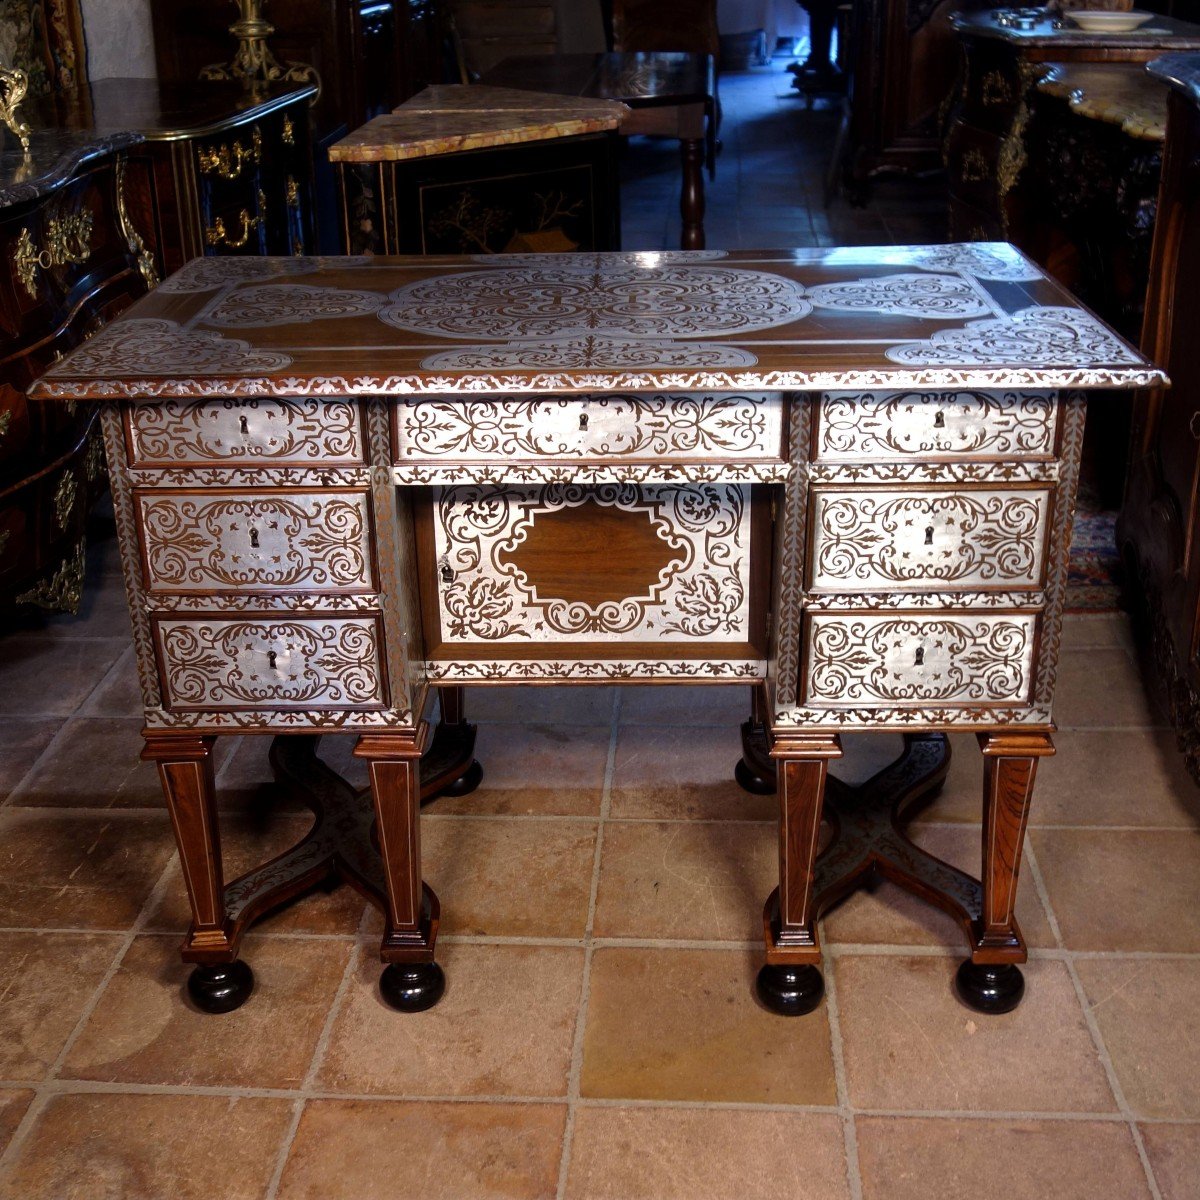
486,32
689,26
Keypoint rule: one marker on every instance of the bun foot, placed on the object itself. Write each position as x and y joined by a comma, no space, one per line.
466,783
790,991
412,987
221,988
749,780
990,988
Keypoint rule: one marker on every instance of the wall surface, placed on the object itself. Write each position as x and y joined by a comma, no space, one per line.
119,41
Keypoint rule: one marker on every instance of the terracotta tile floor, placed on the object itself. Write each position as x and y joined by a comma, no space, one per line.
601,894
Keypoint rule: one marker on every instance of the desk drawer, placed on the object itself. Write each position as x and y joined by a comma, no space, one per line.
936,426
543,571
211,664
737,427
909,660
235,433
928,539
278,541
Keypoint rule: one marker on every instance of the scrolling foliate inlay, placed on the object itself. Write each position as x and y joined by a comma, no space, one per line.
880,539
599,353
1010,424
702,591
250,431
859,659
288,541
289,304
1056,337
931,296
507,428
223,664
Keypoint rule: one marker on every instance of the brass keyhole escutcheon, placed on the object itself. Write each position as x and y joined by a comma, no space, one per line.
254,538
929,535
243,425
271,660
583,422
447,573
939,420
919,657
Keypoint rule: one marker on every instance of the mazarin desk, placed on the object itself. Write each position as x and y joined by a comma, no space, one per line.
842,477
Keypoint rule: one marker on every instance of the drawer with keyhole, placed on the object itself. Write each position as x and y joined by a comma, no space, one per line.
928,539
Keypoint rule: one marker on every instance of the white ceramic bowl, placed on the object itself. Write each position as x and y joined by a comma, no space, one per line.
1101,21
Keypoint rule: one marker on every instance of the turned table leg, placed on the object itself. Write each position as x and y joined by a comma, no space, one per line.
990,980
412,981
220,982
790,982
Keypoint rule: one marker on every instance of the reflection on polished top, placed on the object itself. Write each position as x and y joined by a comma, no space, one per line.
450,117
978,315
1164,32
1121,94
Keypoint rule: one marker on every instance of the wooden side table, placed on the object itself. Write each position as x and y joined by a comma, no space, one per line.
671,95
482,170
844,479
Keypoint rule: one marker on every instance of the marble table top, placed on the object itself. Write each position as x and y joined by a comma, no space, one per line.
1180,71
1165,33
55,157
1121,94
865,317
450,117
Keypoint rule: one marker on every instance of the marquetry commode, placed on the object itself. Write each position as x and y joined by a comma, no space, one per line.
842,477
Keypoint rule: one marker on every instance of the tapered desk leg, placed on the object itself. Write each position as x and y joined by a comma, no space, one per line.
691,201
219,982
790,983
990,980
412,981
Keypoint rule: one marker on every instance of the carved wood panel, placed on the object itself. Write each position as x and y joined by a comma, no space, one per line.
229,539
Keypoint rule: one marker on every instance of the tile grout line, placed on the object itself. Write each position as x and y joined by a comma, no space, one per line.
576,1069
837,1046
19,787
1093,1025
306,1088
42,1093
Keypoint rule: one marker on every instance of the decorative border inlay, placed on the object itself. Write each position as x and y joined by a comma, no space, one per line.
594,473
616,670
969,716
589,351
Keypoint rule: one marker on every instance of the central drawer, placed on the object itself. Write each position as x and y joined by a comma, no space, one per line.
536,572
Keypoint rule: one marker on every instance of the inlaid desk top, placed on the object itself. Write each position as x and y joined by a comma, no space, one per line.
978,315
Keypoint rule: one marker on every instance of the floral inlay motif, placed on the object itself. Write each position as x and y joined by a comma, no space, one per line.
702,592
911,295
1043,337
217,271
995,261
572,299
139,346
917,660
290,304
597,353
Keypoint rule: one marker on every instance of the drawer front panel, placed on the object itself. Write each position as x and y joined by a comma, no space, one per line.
876,539
304,663
198,542
265,432
742,427
936,426
522,567
909,660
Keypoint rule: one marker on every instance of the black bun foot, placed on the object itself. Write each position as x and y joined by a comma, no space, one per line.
222,988
990,988
790,991
749,780
466,783
412,987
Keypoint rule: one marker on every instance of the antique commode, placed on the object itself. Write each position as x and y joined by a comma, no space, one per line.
843,477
